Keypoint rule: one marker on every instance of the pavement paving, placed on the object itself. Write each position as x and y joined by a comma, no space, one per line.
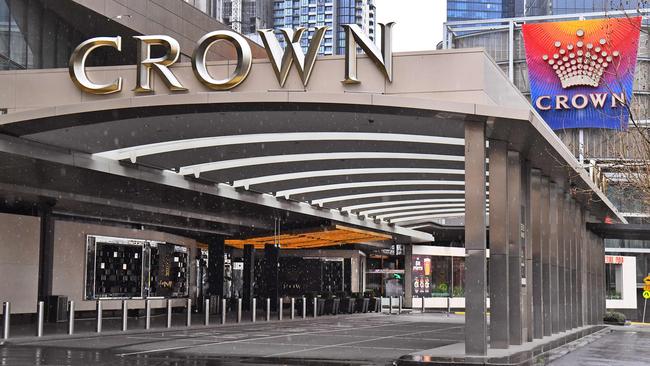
357,339
623,346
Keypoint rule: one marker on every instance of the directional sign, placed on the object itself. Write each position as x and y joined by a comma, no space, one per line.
646,294
647,280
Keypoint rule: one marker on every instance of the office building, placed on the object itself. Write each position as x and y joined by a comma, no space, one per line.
331,13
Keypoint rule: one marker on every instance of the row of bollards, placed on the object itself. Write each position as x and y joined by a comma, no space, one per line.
6,307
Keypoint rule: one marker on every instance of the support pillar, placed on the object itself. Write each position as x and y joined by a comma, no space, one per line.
553,235
562,227
475,240
271,270
515,240
249,276
536,228
579,266
575,261
499,300
527,314
408,277
215,267
546,257
46,255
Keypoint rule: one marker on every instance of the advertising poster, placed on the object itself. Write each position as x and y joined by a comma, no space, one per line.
164,278
581,72
421,273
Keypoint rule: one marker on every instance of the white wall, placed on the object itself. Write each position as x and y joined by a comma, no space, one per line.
19,257
627,282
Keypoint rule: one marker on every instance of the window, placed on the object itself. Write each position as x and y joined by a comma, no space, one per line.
3,111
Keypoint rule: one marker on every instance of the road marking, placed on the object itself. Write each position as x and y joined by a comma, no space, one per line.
349,343
250,339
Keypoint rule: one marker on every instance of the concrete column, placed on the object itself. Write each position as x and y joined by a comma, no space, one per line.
527,298
271,273
546,256
215,267
601,269
580,265
553,235
515,240
249,276
499,301
46,250
408,276
561,288
475,240
536,228
568,260
575,259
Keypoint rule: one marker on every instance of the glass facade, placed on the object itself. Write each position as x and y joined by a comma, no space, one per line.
331,13
479,9
36,36
438,276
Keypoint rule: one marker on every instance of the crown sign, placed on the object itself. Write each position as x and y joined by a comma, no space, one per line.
580,64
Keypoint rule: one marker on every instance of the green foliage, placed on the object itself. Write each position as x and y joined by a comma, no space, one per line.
613,295
443,287
614,317
458,291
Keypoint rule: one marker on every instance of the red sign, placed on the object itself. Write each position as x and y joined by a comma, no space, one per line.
614,259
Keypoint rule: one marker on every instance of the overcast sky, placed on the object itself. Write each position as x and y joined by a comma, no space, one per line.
418,22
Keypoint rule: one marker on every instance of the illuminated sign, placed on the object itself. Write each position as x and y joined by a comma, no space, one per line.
282,59
614,259
581,72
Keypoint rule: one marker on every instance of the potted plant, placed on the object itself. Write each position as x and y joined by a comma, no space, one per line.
458,291
347,303
361,303
614,318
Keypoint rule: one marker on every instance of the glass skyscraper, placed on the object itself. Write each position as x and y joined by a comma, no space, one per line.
332,13
479,9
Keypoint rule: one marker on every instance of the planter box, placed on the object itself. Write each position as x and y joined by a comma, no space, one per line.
347,305
374,304
362,305
320,306
332,306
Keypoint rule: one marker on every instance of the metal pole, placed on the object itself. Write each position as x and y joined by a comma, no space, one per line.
268,309
293,308
315,307
147,314
254,310
645,302
125,314
188,322
71,317
169,313
223,311
304,307
381,304
239,310
423,307
280,309
98,328
41,314
448,306
390,305
206,309
6,312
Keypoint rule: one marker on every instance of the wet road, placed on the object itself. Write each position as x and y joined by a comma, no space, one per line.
625,346
342,340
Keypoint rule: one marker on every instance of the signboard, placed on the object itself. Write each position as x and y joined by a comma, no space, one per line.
646,288
614,259
421,273
581,72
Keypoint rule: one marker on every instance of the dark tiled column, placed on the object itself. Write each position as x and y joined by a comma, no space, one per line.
527,298
536,228
249,276
515,241
562,238
546,256
568,260
575,258
499,303
271,271
553,235
215,266
475,240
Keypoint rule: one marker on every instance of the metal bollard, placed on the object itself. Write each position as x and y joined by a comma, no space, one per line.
223,311
98,328
41,318
390,305
6,318
304,307
71,317
254,311
315,307
424,309
293,308
399,305
169,313
448,306
125,315
147,314
188,321
239,310
268,309
206,310
280,309
381,304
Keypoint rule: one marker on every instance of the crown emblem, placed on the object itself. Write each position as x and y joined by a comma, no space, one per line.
580,64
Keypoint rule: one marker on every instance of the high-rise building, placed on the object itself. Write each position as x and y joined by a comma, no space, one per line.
243,16
479,9
331,13
458,10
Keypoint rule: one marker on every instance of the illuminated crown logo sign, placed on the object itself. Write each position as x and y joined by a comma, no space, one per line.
580,64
